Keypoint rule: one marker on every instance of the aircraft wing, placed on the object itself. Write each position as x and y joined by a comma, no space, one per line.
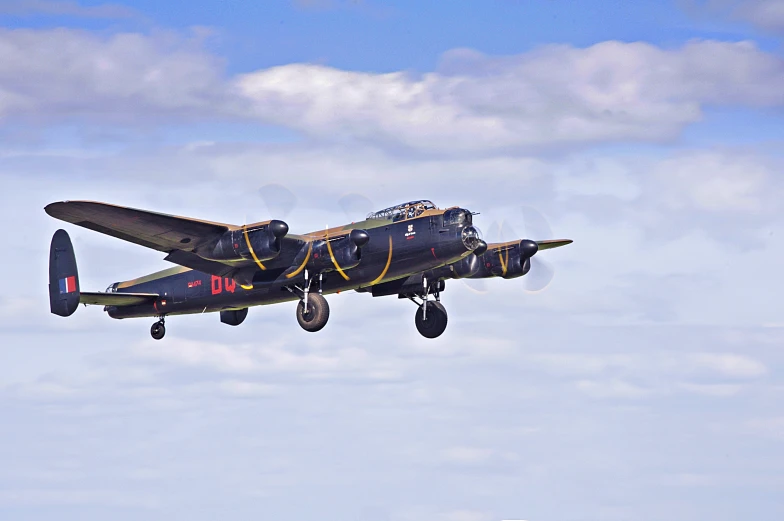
180,237
115,299
154,230
553,243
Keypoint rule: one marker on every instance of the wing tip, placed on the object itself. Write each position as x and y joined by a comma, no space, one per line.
554,243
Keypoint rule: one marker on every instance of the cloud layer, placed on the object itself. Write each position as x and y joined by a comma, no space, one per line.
554,96
646,381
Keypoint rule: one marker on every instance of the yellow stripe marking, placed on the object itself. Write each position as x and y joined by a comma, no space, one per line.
332,256
386,268
250,248
249,286
504,264
302,266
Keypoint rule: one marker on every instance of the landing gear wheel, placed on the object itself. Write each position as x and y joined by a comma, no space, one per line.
158,330
435,324
318,313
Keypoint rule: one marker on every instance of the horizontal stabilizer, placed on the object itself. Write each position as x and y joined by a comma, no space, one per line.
553,243
116,299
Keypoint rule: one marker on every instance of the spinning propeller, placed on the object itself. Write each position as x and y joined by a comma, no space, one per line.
280,200
535,226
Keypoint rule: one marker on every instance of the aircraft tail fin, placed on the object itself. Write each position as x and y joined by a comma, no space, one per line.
63,276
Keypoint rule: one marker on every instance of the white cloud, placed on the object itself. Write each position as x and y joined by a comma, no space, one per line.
648,364
768,14
611,91
15,497
467,455
770,427
465,515
765,14
271,357
244,389
716,390
478,458
730,365
591,177
51,75
713,181
556,95
612,389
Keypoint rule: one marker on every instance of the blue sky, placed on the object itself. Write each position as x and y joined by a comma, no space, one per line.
644,383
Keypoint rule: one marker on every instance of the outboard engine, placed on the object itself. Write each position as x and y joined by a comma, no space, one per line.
511,261
260,243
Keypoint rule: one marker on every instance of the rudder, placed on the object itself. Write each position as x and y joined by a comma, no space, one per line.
63,276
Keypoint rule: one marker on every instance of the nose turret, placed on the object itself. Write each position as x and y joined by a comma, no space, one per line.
472,237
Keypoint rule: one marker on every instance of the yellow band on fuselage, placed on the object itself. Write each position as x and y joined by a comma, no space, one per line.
386,268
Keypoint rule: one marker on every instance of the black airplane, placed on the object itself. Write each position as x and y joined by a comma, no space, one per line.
408,250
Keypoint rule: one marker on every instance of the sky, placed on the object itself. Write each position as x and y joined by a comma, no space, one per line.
645,383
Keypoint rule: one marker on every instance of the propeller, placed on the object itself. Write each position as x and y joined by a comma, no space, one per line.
280,200
356,206
534,225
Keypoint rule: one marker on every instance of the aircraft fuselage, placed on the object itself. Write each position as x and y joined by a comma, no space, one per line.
395,250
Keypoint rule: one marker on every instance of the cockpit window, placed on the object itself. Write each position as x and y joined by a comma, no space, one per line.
456,216
403,211
408,211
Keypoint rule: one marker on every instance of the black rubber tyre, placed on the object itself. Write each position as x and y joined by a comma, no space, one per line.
436,320
157,330
318,313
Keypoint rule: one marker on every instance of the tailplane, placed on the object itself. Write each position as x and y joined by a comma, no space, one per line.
63,276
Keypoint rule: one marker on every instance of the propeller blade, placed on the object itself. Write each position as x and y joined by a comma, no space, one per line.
493,232
536,225
356,206
540,276
280,200
478,286
507,232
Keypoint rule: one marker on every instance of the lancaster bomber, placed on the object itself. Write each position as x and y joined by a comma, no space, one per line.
408,250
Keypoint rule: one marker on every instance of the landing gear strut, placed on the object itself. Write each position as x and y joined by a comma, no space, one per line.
158,329
431,317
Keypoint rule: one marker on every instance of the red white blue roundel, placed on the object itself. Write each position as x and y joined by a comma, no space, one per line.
68,284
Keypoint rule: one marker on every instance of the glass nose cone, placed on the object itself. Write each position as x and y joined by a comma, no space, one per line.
472,237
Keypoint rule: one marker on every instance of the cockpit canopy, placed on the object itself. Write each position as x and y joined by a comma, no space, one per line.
403,211
457,216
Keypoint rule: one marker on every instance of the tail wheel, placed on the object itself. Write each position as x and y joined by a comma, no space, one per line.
317,315
158,330
432,323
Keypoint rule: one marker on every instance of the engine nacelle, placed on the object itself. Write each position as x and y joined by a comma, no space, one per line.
340,253
249,243
510,262
466,267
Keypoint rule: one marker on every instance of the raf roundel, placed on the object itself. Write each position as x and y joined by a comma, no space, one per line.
68,284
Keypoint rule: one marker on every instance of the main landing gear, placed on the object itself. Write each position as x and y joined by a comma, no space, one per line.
313,317
158,329
430,318
313,309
